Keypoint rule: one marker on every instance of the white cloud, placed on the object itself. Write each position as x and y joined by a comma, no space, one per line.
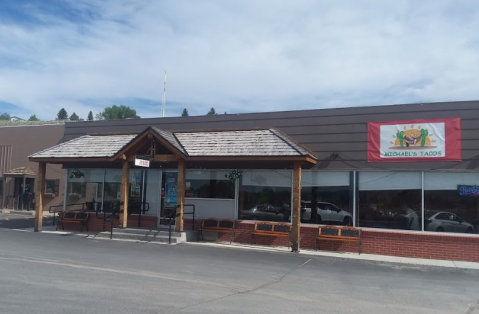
241,56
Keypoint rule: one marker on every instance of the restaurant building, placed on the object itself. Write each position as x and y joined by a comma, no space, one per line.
406,175
18,140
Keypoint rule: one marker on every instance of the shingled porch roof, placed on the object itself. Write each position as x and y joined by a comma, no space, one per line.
262,143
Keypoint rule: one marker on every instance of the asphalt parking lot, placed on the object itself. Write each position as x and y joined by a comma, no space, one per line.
67,273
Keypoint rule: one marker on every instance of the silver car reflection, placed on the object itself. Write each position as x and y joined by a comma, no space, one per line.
446,222
327,213
264,212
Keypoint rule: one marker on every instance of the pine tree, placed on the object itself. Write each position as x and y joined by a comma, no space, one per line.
74,117
211,112
185,113
33,117
90,116
62,114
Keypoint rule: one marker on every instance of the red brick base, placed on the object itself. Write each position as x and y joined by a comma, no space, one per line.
382,242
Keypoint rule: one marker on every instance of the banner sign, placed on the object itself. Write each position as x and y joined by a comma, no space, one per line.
142,163
415,140
468,190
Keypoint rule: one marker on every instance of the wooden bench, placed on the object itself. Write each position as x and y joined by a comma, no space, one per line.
218,226
73,217
332,233
272,229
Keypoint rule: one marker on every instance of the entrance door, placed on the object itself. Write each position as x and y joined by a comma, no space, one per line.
23,196
169,184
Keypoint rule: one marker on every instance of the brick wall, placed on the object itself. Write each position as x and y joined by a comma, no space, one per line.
382,242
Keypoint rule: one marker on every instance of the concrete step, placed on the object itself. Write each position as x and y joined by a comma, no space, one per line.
158,238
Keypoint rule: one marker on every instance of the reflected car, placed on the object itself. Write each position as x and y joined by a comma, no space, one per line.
446,222
327,213
264,212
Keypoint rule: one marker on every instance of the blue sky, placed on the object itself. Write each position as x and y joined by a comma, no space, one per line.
235,56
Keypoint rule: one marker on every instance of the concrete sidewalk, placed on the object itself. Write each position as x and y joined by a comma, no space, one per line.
341,255
350,256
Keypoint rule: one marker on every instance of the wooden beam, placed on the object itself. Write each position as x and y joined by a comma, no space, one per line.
166,158
159,158
180,194
296,221
253,158
125,185
39,196
144,137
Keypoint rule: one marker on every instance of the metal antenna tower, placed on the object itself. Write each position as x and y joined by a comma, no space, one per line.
164,96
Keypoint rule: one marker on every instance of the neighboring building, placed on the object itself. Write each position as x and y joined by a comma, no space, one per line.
407,175
15,118
17,174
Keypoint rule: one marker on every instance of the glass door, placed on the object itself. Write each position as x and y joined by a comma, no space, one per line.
169,184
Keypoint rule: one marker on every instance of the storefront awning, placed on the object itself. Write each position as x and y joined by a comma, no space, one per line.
263,144
20,172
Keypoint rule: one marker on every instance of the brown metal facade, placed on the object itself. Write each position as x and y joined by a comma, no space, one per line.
337,136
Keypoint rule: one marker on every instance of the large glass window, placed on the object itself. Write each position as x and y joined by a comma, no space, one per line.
332,192
265,195
52,187
391,200
85,186
209,184
451,202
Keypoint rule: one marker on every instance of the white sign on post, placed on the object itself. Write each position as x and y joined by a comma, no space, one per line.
142,163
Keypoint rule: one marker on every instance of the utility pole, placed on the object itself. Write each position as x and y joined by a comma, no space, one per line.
164,96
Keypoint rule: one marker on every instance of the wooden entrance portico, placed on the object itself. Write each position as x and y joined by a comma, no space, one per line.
243,148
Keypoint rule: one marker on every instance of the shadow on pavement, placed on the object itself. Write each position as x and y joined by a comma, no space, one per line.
23,222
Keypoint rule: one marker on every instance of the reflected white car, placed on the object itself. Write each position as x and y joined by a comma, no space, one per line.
446,222
327,213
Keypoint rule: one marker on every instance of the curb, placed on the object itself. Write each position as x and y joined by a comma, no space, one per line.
407,261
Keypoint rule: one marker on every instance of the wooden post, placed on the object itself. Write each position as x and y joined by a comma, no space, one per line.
42,167
296,221
180,195
125,184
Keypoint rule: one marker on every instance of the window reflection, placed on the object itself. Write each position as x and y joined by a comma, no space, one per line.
447,211
393,209
331,192
332,205
265,195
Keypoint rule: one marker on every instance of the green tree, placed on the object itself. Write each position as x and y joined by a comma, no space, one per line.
5,116
62,114
185,113
33,117
117,112
74,117
211,112
90,116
